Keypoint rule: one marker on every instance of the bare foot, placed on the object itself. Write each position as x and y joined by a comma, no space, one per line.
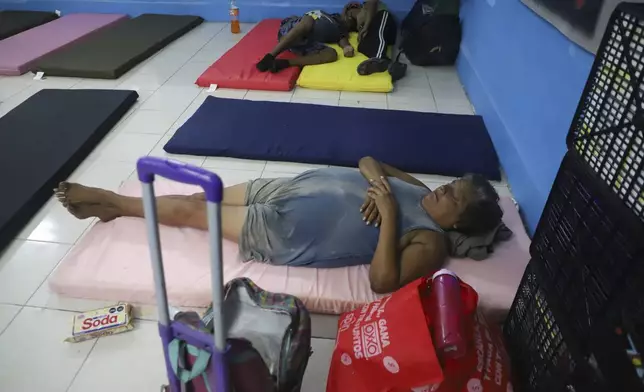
85,202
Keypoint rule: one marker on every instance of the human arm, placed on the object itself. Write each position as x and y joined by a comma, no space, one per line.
347,49
373,169
392,268
370,8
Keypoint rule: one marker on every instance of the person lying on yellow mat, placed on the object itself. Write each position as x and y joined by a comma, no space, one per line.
306,36
377,31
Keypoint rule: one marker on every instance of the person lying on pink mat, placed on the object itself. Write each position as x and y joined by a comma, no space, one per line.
325,218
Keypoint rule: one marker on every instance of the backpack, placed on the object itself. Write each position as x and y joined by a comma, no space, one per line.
269,342
431,32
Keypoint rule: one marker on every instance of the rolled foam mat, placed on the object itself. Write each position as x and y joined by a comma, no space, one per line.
44,139
111,52
416,142
22,50
236,68
15,22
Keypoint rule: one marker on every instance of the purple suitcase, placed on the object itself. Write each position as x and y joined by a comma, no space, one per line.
148,168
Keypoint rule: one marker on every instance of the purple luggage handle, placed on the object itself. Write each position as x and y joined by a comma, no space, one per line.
147,168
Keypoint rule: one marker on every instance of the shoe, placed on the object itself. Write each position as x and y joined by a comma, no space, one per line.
373,65
397,70
266,63
279,64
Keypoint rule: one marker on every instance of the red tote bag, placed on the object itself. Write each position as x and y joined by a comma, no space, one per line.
385,346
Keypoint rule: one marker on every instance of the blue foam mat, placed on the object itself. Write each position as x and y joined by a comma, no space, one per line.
434,143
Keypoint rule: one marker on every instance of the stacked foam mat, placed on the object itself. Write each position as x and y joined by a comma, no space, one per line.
577,321
15,22
112,51
43,140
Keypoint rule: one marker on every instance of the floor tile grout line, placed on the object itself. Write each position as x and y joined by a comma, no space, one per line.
13,318
80,368
14,94
44,281
431,90
56,308
41,241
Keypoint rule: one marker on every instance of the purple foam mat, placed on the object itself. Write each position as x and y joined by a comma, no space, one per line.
22,50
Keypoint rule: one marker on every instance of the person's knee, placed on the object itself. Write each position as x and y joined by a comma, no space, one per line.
198,196
306,23
328,55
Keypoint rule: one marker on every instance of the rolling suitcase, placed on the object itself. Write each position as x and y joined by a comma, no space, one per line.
249,339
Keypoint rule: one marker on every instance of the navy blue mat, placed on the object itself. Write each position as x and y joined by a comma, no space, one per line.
43,140
433,143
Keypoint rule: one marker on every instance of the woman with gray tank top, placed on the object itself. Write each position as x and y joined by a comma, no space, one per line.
326,218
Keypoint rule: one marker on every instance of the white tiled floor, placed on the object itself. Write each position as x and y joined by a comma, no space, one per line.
34,321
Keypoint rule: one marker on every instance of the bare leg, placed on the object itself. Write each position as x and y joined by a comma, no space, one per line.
326,55
293,37
176,210
233,195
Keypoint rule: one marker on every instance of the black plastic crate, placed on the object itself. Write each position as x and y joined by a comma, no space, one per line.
607,130
617,350
589,246
545,357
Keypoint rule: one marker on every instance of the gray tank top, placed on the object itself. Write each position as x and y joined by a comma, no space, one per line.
314,219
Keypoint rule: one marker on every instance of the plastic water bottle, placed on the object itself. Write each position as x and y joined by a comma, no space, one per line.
234,18
447,315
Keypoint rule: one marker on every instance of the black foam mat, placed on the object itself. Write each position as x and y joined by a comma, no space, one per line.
43,140
15,22
111,52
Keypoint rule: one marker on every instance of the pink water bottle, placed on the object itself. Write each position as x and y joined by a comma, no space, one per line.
447,315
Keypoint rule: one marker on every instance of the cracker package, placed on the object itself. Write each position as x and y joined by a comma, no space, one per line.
101,322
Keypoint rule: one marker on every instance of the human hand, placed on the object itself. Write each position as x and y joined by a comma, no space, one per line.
348,51
370,212
362,32
380,192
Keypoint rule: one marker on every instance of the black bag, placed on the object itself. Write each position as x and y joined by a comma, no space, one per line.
431,32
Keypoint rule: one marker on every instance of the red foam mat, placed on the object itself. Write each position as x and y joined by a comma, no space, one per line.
236,68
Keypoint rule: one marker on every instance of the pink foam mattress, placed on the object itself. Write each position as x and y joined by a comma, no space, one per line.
22,50
111,262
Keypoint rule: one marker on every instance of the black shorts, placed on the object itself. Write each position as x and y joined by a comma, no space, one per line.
381,34
306,45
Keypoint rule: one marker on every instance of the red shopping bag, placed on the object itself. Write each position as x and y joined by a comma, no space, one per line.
385,346
486,365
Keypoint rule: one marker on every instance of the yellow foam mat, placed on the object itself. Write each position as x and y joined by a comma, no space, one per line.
342,75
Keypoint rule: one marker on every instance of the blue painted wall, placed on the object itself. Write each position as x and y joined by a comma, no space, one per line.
212,10
525,78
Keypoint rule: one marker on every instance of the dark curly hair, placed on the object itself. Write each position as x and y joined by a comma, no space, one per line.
482,212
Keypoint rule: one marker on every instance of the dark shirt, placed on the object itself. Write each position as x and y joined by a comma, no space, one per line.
327,28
